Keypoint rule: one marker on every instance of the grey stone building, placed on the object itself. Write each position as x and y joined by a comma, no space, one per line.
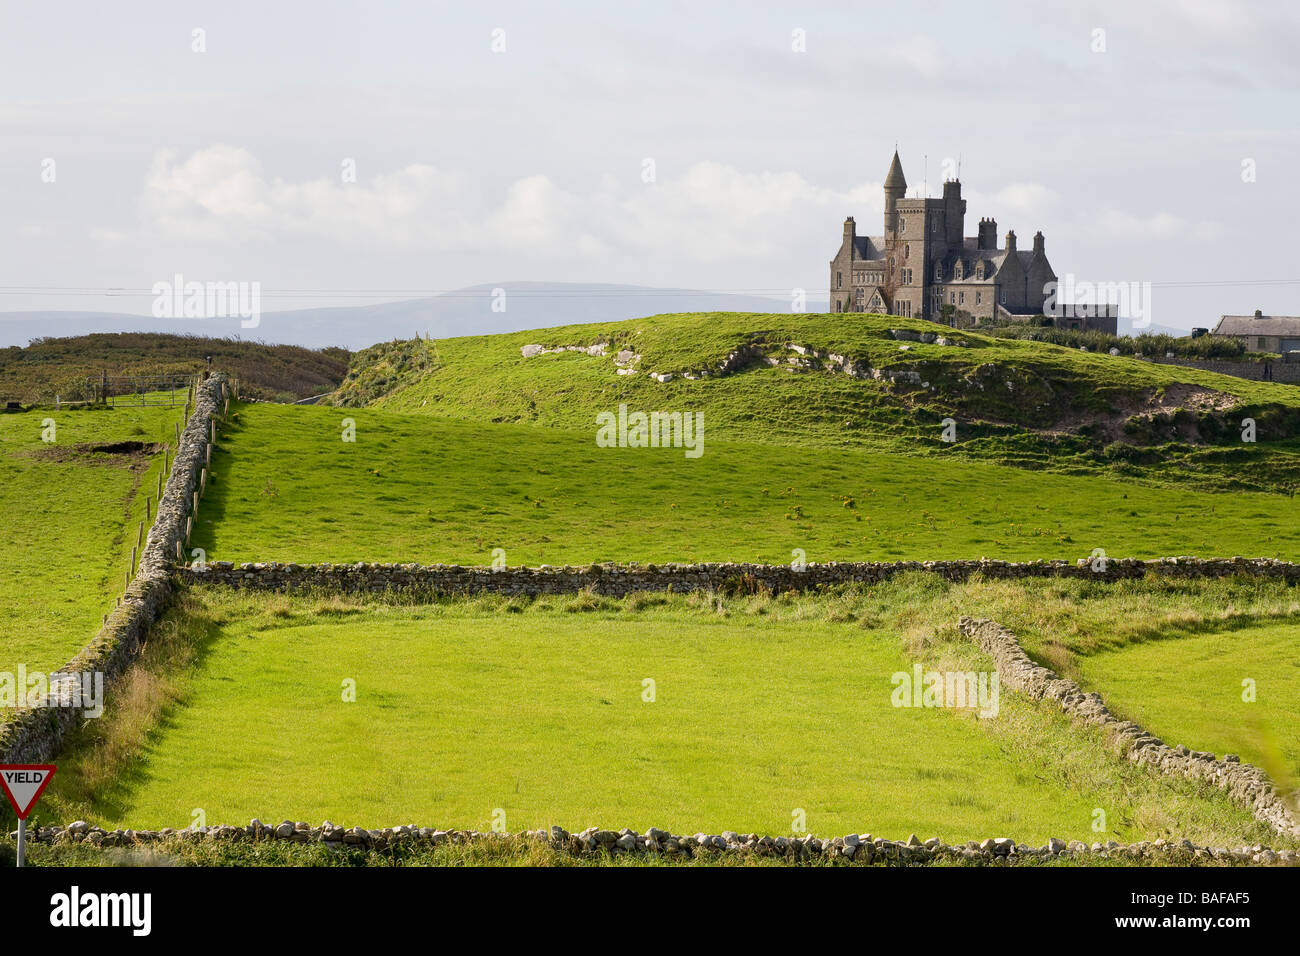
1262,333
925,262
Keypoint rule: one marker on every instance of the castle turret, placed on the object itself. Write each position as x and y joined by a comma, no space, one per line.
988,234
895,189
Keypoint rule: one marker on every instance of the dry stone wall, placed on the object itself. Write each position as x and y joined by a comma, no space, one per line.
595,841
34,735
1246,784
619,580
1255,371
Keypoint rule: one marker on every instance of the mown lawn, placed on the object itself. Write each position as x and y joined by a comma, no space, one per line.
765,711
70,518
417,488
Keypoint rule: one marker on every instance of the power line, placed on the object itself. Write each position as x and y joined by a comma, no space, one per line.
124,292
409,293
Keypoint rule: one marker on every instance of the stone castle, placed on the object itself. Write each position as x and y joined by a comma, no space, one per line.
924,266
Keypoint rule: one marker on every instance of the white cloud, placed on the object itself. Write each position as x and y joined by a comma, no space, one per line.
920,53
1122,226
710,212
708,218
1023,206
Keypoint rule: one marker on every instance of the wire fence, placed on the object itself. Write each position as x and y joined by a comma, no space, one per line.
135,391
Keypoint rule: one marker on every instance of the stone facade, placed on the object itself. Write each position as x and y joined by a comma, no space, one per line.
1260,332
35,735
925,267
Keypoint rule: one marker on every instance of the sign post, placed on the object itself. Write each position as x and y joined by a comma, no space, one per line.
23,784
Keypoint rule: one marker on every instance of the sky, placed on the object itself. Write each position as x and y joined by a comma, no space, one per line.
347,152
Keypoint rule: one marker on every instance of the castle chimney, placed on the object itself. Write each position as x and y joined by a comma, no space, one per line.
954,212
1259,314
1038,243
1011,241
988,234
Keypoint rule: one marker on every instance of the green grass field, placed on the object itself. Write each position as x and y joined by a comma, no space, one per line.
764,708
70,519
416,488
1189,689
1170,655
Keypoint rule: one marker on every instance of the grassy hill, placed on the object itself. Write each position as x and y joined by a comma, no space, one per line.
857,380
285,486
58,366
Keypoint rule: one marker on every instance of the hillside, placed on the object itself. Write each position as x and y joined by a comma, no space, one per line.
59,366
852,380
430,489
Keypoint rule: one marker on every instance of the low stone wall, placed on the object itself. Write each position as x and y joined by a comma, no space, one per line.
1246,784
620,580
594,841
1288,372
34,735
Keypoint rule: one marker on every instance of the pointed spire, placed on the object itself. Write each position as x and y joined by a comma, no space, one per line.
894,179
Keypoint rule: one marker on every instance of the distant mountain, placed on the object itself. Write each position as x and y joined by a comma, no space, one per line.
468,311
1126,328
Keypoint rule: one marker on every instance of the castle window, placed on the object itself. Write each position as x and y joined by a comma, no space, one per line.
957,270
907,250
839,280
979,270
1004,296
979,298
902,224
938,272
952,298
962,298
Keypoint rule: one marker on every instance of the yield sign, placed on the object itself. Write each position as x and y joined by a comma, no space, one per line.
23,784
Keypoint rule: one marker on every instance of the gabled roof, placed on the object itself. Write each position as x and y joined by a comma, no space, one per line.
1265,325
869,247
